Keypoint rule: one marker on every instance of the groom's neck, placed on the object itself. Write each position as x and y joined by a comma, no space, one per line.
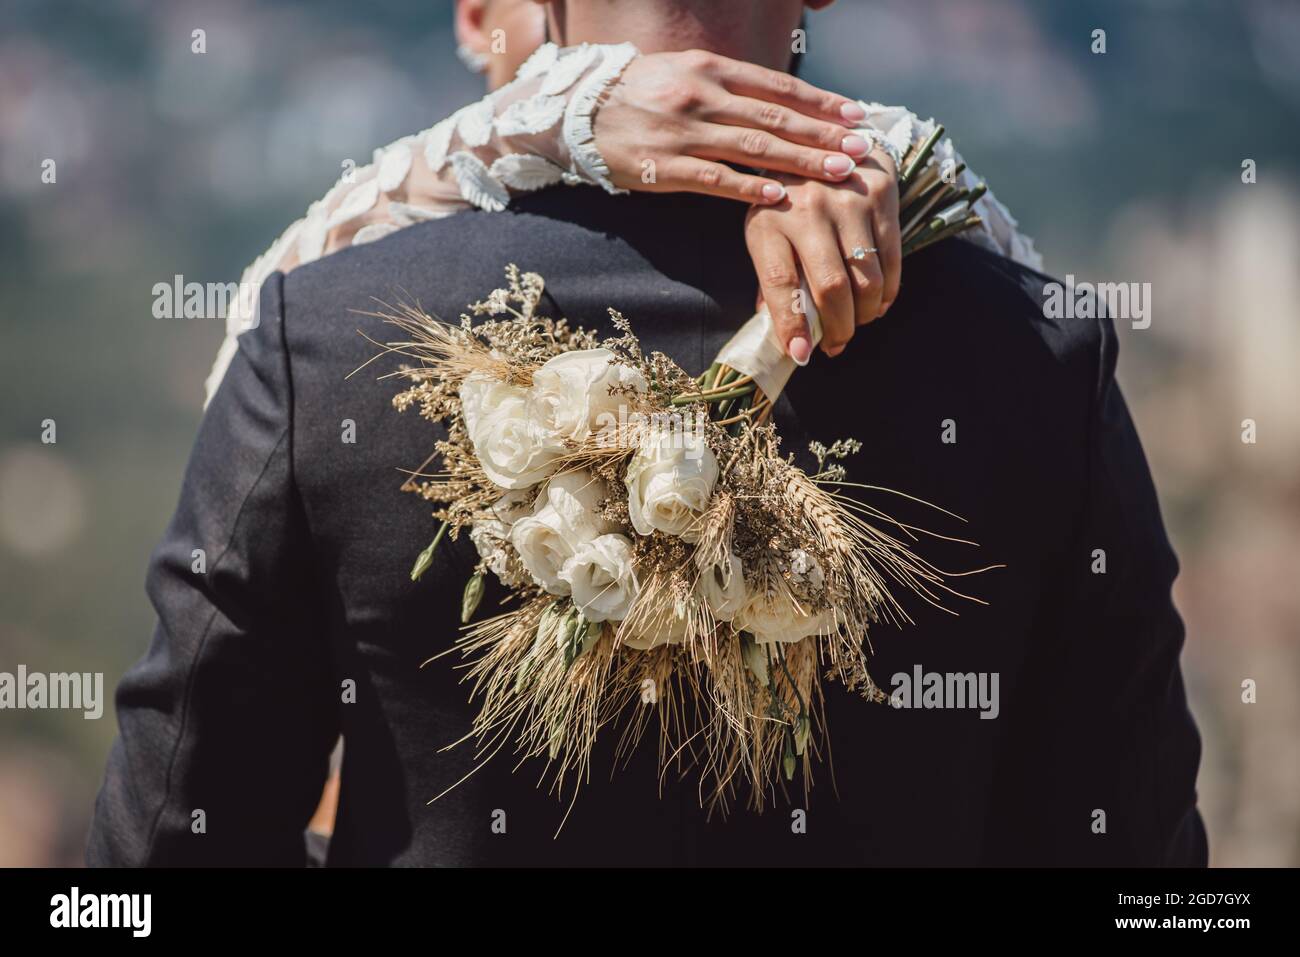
755,30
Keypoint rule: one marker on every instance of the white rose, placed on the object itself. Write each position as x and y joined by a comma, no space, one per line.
601,579
491,538
563,518
779,618
669,483
514,448
571,391
512,506
722,587
651,627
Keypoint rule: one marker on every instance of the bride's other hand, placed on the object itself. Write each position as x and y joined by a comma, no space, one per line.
813,234
674,120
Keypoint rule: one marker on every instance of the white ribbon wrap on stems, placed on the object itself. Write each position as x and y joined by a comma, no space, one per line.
757,351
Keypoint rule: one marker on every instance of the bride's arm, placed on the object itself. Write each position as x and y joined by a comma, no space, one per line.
676,115
669,122
804,247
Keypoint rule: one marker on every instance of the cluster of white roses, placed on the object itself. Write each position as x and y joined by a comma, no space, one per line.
563,540
565,544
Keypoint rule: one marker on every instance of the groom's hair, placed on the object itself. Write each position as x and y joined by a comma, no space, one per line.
796,56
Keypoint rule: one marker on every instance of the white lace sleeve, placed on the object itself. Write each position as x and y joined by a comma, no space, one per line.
533,132
897,129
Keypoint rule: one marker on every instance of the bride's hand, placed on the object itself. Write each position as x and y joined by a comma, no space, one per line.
674,120
813,234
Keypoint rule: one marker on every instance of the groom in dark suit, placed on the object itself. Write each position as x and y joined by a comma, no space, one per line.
305,624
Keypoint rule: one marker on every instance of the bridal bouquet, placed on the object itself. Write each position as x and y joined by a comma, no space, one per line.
662,558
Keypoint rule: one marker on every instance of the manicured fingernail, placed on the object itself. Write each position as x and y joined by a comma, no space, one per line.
855,145
853,113
833,351
773,192
800,350
839,165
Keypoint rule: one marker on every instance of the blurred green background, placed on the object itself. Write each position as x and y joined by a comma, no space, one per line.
1126,166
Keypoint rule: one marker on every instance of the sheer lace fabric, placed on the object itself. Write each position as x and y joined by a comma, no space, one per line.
532,133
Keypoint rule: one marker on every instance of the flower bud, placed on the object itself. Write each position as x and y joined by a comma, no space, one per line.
473,595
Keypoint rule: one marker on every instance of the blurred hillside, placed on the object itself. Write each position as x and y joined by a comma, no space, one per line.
1126,166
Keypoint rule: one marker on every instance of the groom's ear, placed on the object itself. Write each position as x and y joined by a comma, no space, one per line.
468,24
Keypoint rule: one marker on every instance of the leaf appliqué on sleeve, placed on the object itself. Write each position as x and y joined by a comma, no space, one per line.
360,201
525,172
394,165
566,72
533,115
475,123
543,59
477,184
311,238
437,141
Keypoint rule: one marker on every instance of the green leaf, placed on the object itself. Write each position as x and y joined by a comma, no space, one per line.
570,636
525,672
577,636
590,635
547,623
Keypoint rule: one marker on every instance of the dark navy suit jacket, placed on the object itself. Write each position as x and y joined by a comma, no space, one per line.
235,708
